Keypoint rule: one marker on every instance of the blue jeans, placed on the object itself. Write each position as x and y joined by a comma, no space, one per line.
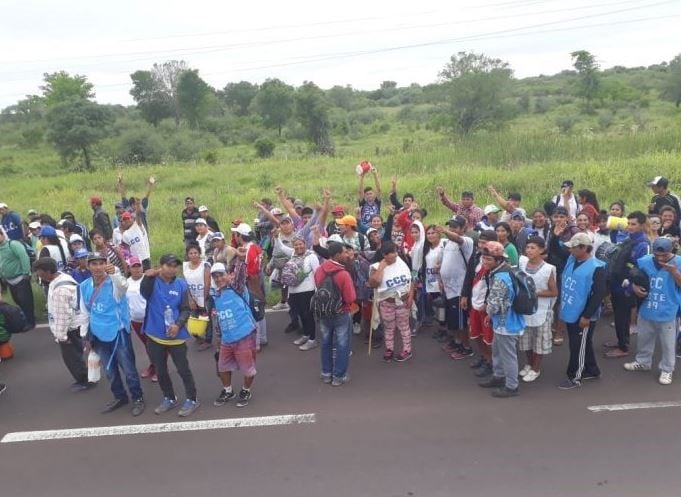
115,354
336,333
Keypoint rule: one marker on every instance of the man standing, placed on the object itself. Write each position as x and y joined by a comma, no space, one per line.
135,237
663,197
369,200
189,217
11,222
15,269
106,326
136,204
166,315
100,219
467,208
64,319
660,307
583,287
335,288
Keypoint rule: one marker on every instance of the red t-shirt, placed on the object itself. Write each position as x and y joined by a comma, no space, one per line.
253,259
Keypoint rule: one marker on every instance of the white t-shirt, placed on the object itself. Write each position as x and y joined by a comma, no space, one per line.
201,240
572,207
195,281
541,277
396,280
310,265
453,270
479,290
136,302
433,263
136,238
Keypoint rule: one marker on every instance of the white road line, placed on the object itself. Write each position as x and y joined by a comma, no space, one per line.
106,431
630,407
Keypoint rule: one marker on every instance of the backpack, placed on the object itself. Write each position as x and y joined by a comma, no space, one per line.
256,305
293,273
525,301
15,320
617,259
30,251
327,302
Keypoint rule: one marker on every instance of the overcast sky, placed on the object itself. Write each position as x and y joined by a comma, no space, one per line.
358,43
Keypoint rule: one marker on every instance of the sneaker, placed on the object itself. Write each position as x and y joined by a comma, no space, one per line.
678,351
309,345
665,378
451,346
281,306
492,382
376,342
337,382
635,366
633,329
610,344
223,398
388,355
154,378
147,372
3,387
504,392
616,354
326,378
188,408
525,370
484,370
403,356
300,340
356,328
531,375
477,363
166,405
114,404
291,327
462,353
589,376
569,384
244,397
80,387
138,407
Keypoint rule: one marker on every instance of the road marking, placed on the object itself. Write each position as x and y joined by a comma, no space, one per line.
107,431
630,407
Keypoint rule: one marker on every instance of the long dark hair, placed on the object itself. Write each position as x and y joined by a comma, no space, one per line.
589,197
54,240
426,249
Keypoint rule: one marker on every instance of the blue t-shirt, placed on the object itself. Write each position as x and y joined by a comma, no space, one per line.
12,224
369,210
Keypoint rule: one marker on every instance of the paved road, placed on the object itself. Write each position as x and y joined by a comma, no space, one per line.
421,429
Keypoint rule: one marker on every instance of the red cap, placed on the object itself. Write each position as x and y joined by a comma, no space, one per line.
95,200
339,209
126,216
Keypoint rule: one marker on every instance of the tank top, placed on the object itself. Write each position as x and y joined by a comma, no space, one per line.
541,276
195,282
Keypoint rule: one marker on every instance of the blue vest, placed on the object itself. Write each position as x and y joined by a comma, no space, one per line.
576,288
107,316
664,297
234,317
514,324
165,294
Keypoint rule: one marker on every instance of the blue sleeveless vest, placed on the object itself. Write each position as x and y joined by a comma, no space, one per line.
165,294
576,287
664,297
107,316
234,316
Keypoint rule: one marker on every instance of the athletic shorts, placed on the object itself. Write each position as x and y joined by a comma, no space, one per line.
238,356
456,317
538,339
477,328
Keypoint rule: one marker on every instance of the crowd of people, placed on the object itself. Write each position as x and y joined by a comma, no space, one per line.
488,283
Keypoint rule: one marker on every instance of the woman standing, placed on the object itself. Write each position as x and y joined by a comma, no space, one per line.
503,230
588,204
196,273
430,270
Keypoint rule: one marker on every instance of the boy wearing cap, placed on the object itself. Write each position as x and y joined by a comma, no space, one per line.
11,222
369,200
583,288
663,197
135,238
167,335
490,218
100,218
659,309
80,272
106,328
507,324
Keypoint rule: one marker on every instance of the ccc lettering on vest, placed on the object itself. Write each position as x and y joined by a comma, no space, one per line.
397,281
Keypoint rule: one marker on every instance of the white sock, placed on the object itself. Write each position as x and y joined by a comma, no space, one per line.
228,389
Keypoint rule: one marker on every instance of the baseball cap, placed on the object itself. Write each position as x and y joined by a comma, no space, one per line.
285,219
568,183
339,209
348,220
96,256
200,221
243,229
60,223
31,212
658,181
96,200
126,216
489,209
371,230
459,221
48,231
494,249
119,205
336,238
218,236
579,239
203,208
218,267
133,260
298,203
276,211
34,225
80,253
76,238
3,205
517,213
169,259
663,245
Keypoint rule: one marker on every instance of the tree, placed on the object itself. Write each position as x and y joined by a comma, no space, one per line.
75,125
60,87
165,78
153,99
474,88
193,96
589,79
238,96
671,85
312,110
274,103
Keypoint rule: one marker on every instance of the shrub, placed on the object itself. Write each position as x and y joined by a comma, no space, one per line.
264,147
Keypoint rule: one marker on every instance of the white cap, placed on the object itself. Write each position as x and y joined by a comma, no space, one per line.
243,229
34,225
276,211
76,238
203,208
200,221
491,208
218,267
3,205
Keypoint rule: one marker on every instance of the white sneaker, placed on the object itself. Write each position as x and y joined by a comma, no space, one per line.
356,328
665,378
300,340
309,345
281,306
635,366
525,370
633,329
531,375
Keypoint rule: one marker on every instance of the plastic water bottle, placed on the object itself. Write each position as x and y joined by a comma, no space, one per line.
168,318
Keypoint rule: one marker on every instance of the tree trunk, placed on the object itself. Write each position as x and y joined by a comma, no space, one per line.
86,158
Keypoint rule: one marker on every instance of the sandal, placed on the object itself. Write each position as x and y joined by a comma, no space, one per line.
558,341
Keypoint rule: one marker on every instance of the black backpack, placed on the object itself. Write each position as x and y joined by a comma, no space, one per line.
327,302
526,300
30,251
15,321
617,259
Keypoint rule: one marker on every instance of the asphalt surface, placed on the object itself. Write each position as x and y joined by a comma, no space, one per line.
417,429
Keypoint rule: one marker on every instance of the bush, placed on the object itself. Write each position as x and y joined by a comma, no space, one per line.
210,157
186,145
138,144
565,123
264,147
365,116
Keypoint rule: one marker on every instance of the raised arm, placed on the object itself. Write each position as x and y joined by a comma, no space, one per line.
360,192
377,183
503,203
285,203
267,213
453,206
